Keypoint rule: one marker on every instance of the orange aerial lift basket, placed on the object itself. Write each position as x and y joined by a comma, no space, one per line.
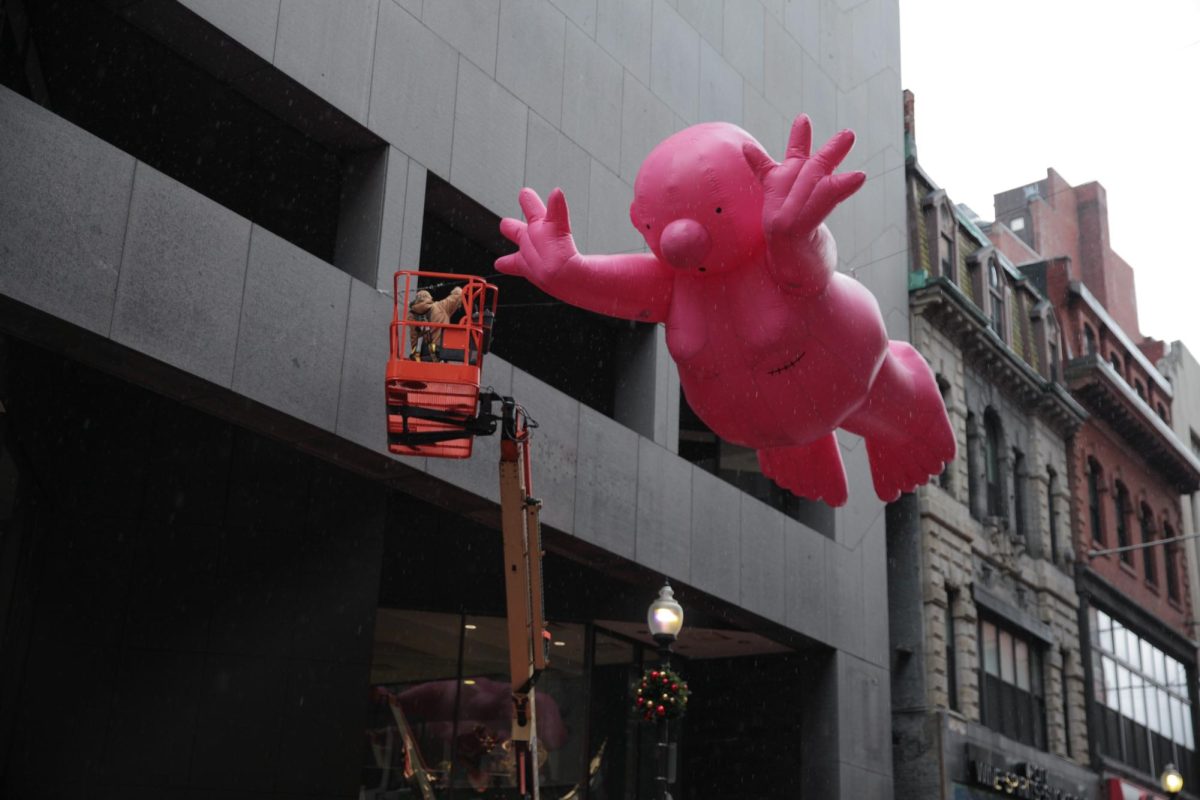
432,385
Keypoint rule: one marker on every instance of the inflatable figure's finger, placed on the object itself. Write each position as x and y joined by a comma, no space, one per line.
759,161
810,210
511,264
800,139
512,229
556,211
531,204
832,153
833,189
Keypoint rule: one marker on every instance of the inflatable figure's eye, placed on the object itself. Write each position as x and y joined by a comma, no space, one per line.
718,209
647,226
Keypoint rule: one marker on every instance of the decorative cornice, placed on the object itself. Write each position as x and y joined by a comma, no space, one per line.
944,305
1101,389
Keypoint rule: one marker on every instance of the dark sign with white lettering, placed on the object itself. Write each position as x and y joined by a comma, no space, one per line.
1017,780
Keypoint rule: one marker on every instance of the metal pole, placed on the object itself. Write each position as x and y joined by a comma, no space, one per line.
1142,545
662,753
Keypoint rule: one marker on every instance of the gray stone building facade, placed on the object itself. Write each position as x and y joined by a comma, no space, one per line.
212,569
984,614
1180,367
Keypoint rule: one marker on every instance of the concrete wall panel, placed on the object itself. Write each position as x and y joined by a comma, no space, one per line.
62,215
606,484
489,141
664,511
744,41
412,89
556,447
592,98
716,535
290,349
329,47
763,580
720,88
182,277
530,63
469,26
623,29
675,61
645,121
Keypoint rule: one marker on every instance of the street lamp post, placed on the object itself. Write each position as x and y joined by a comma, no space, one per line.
1171,781
664,618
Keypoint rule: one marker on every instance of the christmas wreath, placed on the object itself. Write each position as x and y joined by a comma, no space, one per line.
662,694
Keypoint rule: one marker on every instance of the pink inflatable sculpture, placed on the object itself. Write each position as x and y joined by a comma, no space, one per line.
775,348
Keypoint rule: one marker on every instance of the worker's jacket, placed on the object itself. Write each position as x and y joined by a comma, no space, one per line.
426,341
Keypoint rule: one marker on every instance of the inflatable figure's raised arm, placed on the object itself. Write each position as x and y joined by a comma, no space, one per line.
635,286
798,195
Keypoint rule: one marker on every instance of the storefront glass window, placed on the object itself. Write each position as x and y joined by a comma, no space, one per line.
1146,722
441,716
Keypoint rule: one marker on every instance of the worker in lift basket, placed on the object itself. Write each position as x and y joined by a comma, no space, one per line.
426,341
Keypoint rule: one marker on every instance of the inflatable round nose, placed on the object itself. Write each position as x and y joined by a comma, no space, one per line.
685,243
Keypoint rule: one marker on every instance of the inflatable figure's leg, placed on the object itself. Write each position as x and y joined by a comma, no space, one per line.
904,421
812,470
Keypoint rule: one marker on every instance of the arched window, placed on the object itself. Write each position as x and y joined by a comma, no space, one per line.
1123,510
992,442
1149,554
996,292
1172,566
1139,389
1089,339
1115,360
1095,477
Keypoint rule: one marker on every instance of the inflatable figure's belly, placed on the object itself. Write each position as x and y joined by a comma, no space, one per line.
758,408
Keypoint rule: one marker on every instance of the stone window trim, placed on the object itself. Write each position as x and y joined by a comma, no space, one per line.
942,231
992,293
996,465
1000,608
1047,334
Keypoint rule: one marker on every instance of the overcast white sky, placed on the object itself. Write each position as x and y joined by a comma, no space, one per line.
1104,90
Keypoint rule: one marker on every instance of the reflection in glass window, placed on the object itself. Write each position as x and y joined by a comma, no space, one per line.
1146,720
441,717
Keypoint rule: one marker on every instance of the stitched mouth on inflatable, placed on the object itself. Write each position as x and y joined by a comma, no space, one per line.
786,366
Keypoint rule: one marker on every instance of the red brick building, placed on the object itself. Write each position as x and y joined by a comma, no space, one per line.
1127,473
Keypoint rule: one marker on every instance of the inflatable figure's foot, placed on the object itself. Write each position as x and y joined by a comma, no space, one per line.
811,470
909,438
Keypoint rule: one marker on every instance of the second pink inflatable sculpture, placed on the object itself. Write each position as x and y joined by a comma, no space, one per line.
775,348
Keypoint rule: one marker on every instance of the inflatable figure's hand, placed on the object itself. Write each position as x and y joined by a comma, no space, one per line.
799,193
545,240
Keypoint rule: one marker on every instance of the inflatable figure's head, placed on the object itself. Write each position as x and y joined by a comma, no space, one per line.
696,201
